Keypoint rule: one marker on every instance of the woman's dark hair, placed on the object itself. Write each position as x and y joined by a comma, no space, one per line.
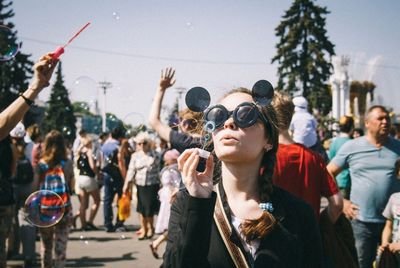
259,228
54,149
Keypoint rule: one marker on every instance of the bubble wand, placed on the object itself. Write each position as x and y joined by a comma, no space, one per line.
60,50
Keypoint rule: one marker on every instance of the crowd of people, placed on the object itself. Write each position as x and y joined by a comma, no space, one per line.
256,204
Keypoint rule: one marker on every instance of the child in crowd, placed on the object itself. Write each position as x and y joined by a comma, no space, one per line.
391,231
170,179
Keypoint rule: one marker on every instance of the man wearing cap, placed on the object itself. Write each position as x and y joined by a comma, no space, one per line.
304,127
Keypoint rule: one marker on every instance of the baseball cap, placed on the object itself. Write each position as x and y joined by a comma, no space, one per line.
300,102
18,131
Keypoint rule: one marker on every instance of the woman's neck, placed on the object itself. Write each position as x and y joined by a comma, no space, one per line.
240,181
285,138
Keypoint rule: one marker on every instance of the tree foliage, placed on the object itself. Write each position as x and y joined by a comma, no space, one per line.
304,53
14,73
60,112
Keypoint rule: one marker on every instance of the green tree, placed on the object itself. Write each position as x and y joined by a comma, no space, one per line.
304,53
14,73
60,112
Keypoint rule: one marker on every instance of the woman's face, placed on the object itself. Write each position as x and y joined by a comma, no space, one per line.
233,144
143,145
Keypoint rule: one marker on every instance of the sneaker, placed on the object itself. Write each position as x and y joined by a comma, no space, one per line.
91,226
109,229
121,229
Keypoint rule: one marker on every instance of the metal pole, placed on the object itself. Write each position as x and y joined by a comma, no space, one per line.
105,85
180,91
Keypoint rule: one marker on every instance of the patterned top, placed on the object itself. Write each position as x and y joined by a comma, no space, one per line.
144,168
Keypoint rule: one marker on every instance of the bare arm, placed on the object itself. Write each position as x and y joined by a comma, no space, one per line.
386,236
92,163
166,81
349,209
121,165
16,110
333,169
335,207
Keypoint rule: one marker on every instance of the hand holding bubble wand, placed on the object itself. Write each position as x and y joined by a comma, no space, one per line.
60,50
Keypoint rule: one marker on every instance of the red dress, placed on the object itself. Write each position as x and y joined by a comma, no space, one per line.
303,173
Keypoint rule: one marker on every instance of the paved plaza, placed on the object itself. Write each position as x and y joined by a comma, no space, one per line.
101,249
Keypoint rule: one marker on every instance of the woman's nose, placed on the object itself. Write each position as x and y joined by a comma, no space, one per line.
229,123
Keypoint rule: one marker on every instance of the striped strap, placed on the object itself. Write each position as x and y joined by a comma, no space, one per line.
225,230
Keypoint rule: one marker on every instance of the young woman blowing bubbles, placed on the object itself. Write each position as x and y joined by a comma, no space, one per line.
243,221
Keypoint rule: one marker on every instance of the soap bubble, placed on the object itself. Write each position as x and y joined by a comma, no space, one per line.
133,120
8,47
44,208
190,26
66,131
209,126
84,89
116,15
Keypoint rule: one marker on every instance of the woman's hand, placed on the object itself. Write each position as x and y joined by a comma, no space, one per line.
198,184
167,78
43,70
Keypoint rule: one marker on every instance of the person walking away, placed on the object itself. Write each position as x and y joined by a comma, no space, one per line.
86,184
55,173
112,178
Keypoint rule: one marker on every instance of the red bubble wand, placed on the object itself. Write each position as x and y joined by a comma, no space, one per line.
60,50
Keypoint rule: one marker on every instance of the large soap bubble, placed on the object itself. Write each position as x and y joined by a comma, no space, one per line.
44,208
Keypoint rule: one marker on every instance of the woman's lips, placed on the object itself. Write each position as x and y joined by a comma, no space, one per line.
228,139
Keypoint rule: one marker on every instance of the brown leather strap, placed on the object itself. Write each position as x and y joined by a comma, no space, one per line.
225,230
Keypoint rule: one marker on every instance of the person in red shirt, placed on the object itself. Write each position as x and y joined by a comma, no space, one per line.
301,171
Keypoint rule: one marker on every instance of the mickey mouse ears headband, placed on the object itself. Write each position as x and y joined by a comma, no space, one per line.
198,99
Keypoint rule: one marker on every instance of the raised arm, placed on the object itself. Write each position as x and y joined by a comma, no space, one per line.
16,110
167,80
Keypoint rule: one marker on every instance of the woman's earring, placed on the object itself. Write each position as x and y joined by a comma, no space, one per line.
267,147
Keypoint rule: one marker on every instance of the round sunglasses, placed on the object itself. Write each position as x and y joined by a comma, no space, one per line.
244,115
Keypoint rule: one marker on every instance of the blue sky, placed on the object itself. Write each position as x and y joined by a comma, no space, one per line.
215,44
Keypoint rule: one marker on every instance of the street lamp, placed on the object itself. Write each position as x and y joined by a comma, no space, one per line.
104,85
180,91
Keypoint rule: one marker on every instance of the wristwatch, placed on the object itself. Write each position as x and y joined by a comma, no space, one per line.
27,101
